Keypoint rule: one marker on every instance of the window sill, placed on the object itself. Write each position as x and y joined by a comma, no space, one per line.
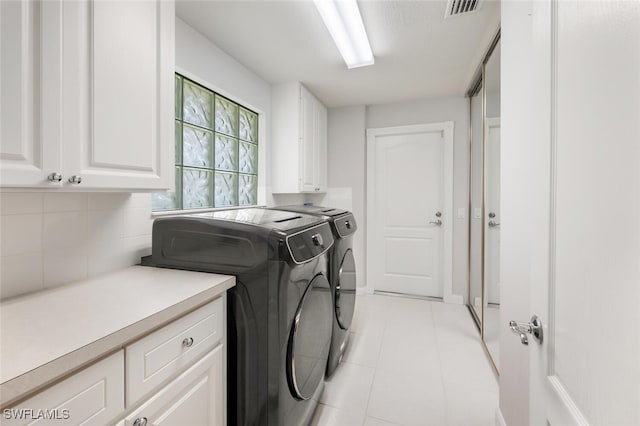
192,211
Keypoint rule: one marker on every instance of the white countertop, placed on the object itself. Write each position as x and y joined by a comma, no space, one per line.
47,335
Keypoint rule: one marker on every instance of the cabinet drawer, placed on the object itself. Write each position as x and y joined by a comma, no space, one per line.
162,354
195,397
94,396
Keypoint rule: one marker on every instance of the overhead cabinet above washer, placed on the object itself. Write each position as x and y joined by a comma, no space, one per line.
87,95
299,140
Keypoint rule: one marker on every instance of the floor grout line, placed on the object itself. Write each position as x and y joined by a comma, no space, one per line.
375,372
439,352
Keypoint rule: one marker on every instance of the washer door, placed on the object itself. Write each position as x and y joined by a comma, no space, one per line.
310,339
345,295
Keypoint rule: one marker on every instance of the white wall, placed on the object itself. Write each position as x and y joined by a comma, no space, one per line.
49,239
204,62
347,165
346,169
454,109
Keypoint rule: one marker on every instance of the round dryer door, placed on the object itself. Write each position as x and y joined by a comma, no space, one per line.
310,339
346,290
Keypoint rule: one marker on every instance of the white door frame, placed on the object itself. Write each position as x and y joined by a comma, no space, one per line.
490,123
371,220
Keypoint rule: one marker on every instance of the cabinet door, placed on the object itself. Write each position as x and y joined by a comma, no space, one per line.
196,397
94,396
118,61
307,141
320,178
30,118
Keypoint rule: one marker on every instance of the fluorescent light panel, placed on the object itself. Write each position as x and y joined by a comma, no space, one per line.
342,19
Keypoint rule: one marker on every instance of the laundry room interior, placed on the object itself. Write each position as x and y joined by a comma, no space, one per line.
320,212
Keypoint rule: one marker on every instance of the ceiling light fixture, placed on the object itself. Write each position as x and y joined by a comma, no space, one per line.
342,19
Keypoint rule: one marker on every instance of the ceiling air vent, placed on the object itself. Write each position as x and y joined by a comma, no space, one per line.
461,7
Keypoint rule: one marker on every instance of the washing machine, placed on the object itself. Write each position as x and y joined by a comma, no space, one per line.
342,276
279,312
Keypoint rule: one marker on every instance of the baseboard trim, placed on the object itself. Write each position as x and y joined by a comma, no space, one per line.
499,418
407,296
455,299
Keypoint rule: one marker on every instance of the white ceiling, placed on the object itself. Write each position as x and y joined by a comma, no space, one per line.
418,54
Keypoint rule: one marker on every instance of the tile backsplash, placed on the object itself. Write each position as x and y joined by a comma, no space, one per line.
50,239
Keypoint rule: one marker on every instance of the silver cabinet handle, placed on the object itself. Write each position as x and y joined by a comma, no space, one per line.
187,342
55,177
523,328
140,421
436,222
75,179
493,224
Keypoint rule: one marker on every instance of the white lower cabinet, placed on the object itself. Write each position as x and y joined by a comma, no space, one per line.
173,376
94,396
196,397
154,359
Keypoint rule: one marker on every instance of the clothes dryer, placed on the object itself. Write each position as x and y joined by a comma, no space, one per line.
342,274
279,312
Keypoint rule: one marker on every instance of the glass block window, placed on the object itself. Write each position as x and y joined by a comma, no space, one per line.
216,151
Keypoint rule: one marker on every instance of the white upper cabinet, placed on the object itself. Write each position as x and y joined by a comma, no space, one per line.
299,140
29,115
96,95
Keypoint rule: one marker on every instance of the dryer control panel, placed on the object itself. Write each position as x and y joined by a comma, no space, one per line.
310,243
345,225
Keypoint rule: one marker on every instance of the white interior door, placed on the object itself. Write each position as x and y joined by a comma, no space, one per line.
409,196
492,212
585,184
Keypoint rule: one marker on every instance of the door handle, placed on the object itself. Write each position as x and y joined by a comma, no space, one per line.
436,222
493,224
524,328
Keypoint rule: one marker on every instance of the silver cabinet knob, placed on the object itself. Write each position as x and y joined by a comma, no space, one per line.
493,224
524,328
140,421
55,177
436,222
492,215
75,179
438,214
187,342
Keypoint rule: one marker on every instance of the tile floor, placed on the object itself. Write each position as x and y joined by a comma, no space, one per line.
410,362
